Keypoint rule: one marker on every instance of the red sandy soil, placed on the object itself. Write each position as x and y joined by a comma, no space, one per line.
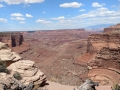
54,53
84,58
63,58
22,48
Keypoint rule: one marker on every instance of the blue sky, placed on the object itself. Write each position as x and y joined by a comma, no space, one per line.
19,15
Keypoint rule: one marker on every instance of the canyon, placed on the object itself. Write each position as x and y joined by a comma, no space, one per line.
54,52
69,57
102,56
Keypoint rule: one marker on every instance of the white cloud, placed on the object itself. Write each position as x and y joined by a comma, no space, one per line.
22,1
99,12
28,15
3,20
96,4
43,12
22,22
43,21
18,18
82,10
17,14
72,5
1,6
59,18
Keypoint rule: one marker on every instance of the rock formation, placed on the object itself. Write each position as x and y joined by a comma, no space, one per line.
106,48
88,85
112,29
12,39
6,54
103,54
14,63
16,39
28,71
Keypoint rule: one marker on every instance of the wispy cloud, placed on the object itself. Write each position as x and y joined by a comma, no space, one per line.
16,14
28,15
18,18
71,5
99,12
96,4
82,10
3,20
43,21
1,6
22,1
44,12
59,18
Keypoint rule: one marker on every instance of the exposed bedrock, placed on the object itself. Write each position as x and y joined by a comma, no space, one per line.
16,39
13,66
103,56
12,39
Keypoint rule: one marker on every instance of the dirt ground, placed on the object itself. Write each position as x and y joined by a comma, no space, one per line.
55,53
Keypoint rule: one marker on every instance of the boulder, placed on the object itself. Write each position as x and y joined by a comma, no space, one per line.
3,46
87,85
6,54
28,71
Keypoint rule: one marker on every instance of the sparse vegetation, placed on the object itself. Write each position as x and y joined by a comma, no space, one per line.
3,67
116,87
17,75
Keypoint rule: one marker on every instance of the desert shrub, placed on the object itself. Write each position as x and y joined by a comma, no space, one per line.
17,75
3,67
36,86
116,87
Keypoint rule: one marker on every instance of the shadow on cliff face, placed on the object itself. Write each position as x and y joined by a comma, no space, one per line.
13,41
16,39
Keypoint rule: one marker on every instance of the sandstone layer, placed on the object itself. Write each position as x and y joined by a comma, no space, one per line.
103,56
54,52
12,39
14,63
28,71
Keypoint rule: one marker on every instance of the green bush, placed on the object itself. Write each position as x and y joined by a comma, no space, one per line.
17,75
3,67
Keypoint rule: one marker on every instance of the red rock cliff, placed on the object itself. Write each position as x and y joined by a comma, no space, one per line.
106,48
12,39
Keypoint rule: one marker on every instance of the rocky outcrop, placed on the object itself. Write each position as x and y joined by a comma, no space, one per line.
107,58
103,54
28,71
106,50
97,41
113,29
87,85
16,39
6,54
14,63
106,47
12,39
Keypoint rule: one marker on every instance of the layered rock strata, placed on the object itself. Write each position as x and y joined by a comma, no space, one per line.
14,63
12,39
106,48
103,56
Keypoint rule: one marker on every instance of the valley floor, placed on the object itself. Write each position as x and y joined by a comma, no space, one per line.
57,86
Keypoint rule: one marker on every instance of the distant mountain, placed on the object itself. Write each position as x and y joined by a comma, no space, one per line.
99,27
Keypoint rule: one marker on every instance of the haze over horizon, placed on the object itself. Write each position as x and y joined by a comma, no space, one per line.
19,15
